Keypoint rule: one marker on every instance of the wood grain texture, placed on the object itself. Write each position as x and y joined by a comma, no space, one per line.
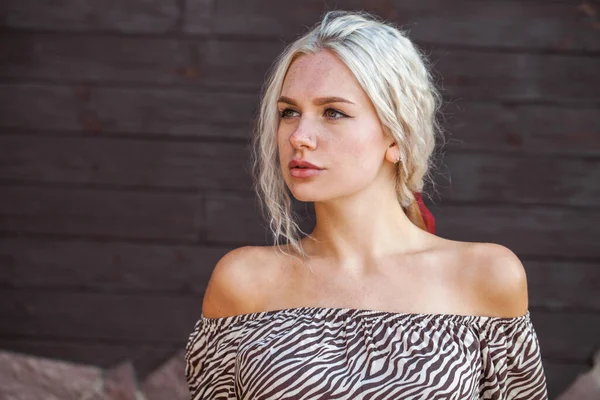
103,214
567,336
133,16
97,58
122,162
232,218
521,129
563,285
152,111
487,75
559,375
126,318
534,230
515,179
505,24
106,267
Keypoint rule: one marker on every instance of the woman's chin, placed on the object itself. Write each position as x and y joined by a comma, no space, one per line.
304,196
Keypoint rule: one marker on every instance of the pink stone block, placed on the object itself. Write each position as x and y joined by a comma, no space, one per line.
120,383
168,382
586,386
24,377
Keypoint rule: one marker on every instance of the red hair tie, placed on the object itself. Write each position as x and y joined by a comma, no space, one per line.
426,214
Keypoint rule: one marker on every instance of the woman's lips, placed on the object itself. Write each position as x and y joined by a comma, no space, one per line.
304,172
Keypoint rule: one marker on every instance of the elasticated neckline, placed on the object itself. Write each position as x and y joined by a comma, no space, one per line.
332,313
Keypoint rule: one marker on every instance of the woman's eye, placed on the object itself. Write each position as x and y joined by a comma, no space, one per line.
287,113
334,114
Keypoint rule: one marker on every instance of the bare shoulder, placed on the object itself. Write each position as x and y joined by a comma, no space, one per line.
235,285
499,279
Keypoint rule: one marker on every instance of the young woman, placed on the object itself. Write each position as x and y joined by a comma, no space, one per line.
370,305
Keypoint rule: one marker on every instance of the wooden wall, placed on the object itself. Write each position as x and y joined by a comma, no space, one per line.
124,128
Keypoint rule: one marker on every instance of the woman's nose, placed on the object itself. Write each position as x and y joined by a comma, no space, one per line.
303,135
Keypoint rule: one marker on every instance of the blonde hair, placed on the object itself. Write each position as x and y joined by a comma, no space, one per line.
394,75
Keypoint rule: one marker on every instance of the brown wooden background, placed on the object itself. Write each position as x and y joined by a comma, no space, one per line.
124,161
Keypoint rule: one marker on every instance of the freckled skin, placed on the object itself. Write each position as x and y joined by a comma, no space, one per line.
352,149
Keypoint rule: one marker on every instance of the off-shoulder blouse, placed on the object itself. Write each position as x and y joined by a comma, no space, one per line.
345,353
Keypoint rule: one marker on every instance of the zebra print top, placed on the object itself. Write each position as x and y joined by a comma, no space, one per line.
345,353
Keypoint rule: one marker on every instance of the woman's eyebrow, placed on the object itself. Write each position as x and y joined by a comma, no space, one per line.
287,100
318,101
326,100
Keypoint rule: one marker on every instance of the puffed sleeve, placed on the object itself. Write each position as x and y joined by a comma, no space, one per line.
512,364
210,359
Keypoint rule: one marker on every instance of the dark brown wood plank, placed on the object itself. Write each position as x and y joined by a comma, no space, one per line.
520,179
39,263
203,13
527,230
145,358
563,285
129,319
559,375
521,128
172,112
125,162
567,336
234,218
507,24
140,60
521,76
136,16
96,58
239,64
98,213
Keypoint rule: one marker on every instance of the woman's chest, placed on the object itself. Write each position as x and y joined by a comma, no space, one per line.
413,285
358,361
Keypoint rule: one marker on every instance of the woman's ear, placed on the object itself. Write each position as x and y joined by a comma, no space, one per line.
392,154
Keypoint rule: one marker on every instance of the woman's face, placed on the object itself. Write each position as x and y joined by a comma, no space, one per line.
328,120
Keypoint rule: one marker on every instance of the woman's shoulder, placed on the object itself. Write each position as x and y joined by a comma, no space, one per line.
237,282
497,277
